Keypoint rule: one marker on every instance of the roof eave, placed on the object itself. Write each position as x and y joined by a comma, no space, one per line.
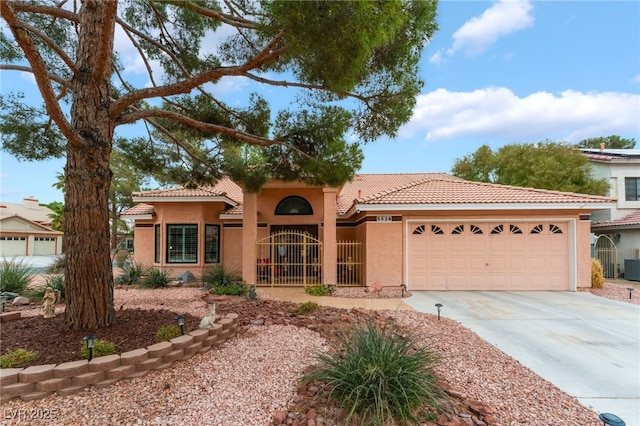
177,199
480,206
227,216
137,216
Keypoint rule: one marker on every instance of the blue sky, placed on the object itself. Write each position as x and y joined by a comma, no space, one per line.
495,73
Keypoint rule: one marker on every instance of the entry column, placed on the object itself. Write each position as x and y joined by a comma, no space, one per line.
249,236
329,249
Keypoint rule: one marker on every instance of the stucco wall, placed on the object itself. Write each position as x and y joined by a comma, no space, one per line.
384,253
231,248
269,198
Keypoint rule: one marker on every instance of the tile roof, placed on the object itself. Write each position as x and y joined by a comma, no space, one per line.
615,155
30,209
396,189
448,191
370,185
139,210
225,187
632,219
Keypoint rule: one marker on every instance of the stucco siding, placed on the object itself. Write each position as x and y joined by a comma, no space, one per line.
384,253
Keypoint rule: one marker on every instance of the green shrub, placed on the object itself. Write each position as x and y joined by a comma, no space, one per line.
15,276
597,274
100,348
167,332
131,274
223,282
317,290
17,358
378,376
306,308
156,278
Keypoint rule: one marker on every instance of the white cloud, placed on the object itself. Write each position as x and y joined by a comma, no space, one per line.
497,113
636,79
477,34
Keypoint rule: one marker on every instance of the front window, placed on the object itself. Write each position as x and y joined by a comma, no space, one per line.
212,244
294,205
156,244
632,189
182,243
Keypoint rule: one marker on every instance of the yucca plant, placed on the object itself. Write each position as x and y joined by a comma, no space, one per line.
377,375
15,276
156,278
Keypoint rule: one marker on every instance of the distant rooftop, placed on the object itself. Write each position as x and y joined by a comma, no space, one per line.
29,209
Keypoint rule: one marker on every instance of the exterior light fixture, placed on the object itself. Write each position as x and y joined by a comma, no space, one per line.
403,288
631,290
439,305
90,340
180,319
3,303
331,288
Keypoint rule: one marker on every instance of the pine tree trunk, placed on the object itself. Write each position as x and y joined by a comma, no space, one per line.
88,270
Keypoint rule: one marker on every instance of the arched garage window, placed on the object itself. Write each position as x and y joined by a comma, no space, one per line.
294,205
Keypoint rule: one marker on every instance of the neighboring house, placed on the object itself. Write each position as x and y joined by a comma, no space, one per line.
617,230
25,230
429,231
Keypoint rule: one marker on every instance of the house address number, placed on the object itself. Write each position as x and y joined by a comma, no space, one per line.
384,218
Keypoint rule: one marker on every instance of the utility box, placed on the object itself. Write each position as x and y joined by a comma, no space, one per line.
632,269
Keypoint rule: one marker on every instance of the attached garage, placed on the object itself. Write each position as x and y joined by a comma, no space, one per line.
22,237
489,255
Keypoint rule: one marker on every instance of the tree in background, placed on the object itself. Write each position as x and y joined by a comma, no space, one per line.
609,142
352,65
544,165
57,217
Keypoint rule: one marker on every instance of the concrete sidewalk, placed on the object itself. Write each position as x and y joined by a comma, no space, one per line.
297,295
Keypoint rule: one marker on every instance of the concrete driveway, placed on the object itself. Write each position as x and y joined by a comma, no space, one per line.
586,345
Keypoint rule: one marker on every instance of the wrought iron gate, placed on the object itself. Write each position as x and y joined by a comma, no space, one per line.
289,258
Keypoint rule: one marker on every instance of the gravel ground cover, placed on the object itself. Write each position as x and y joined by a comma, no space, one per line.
253,380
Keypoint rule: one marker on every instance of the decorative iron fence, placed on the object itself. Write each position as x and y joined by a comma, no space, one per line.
289,258
350,271
612,259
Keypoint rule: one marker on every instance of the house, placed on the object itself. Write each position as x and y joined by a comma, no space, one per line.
25,229
429,231
617,230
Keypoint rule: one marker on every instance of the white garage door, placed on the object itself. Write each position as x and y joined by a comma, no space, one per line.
13,246
44,246
488,256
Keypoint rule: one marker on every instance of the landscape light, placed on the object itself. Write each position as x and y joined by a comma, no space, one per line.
90,340
3,303
403,287
439,305
180,319
631,290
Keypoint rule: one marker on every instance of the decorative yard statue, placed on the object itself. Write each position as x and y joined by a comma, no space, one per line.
208,321
49,300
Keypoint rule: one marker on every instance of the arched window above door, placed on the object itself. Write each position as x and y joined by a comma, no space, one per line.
294,205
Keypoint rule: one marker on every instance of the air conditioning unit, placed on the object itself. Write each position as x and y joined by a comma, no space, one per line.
632,269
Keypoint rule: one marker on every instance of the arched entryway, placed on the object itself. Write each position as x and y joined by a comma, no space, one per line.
606,253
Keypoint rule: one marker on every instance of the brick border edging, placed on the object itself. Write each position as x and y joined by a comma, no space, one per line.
72,377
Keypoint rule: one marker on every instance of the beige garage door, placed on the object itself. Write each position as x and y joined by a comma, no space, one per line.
488,256
13,246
